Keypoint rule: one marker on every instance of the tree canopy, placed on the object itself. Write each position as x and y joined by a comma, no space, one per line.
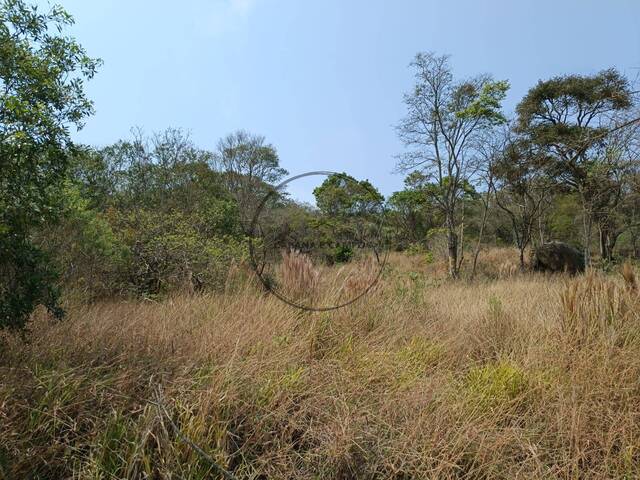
42,72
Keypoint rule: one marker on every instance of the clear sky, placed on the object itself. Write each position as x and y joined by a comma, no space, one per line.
323,79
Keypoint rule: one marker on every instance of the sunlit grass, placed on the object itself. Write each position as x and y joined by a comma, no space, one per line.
519,377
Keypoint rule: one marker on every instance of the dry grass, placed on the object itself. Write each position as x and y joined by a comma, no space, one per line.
298,273
526,377
297,279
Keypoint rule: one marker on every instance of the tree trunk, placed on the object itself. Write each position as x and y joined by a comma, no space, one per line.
460,242
541,230
522,265
634,245
604,251
480,234
587,224
452,244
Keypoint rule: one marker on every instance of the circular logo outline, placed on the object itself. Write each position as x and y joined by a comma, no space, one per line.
260,270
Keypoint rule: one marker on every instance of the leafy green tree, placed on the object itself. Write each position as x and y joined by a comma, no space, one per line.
42,97
343,195
444,122
161,171
569,118
411,214
350,211
521,190
564,219
169,210
84,246
627,218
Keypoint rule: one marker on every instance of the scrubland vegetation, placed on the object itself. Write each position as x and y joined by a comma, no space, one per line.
143,332
521,376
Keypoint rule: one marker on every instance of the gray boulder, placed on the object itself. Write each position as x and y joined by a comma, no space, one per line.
557,257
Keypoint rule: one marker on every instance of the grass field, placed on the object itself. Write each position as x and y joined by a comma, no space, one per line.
508,376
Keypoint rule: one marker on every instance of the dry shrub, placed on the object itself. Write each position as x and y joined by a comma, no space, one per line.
501,262
507,270
240,278
629,275
495,334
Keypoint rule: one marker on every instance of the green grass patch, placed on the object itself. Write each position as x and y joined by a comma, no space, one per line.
416,358
495,384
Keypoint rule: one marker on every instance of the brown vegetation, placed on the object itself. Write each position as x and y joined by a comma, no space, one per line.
526,377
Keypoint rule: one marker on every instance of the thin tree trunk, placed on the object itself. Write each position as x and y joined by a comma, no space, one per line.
541,230
481,233
461,244
587,229
452,246
603,243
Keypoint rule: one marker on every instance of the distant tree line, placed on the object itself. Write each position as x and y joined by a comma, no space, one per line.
569,156
154,213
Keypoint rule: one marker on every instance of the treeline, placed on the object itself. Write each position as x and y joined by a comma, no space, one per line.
155,213
566,166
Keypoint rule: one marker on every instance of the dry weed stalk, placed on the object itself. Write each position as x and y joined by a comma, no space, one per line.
298,275
361,277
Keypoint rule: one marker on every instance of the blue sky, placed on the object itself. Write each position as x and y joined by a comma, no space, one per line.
323,80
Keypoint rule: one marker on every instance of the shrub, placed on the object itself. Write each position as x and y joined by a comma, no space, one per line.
594,307
27,279
342,254
168,252
437,242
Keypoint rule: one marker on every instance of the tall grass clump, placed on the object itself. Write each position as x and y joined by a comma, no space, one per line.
596,307
298,275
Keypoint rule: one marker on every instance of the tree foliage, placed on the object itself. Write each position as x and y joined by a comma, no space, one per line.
42,96
569,119
445,120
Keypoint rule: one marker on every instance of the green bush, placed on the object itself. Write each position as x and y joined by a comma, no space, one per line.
27,279
167,251
343,254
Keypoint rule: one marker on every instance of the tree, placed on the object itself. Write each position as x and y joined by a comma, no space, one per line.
411,212
489,151
41,97
569,118
172,217
351,209
343,195
629,212
521,189
611,187
160,171
251,166
445,118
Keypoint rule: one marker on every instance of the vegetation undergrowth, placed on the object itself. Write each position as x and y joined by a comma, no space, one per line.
523,377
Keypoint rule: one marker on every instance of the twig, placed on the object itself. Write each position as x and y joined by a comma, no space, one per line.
163,412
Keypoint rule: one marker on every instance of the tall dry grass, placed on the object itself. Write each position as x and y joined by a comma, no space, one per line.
525,377
298,275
